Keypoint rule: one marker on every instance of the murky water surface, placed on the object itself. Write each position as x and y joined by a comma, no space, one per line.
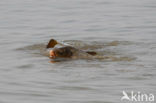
123,30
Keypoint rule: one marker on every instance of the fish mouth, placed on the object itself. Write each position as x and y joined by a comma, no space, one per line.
52,54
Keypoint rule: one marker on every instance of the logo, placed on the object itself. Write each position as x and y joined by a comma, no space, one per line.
137,97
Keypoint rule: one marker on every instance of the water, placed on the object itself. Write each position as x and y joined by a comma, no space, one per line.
119,28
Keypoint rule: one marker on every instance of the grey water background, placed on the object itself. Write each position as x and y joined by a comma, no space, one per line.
27,77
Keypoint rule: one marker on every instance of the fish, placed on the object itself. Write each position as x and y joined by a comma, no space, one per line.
67,51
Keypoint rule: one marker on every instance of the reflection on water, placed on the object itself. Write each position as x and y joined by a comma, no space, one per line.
122,32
